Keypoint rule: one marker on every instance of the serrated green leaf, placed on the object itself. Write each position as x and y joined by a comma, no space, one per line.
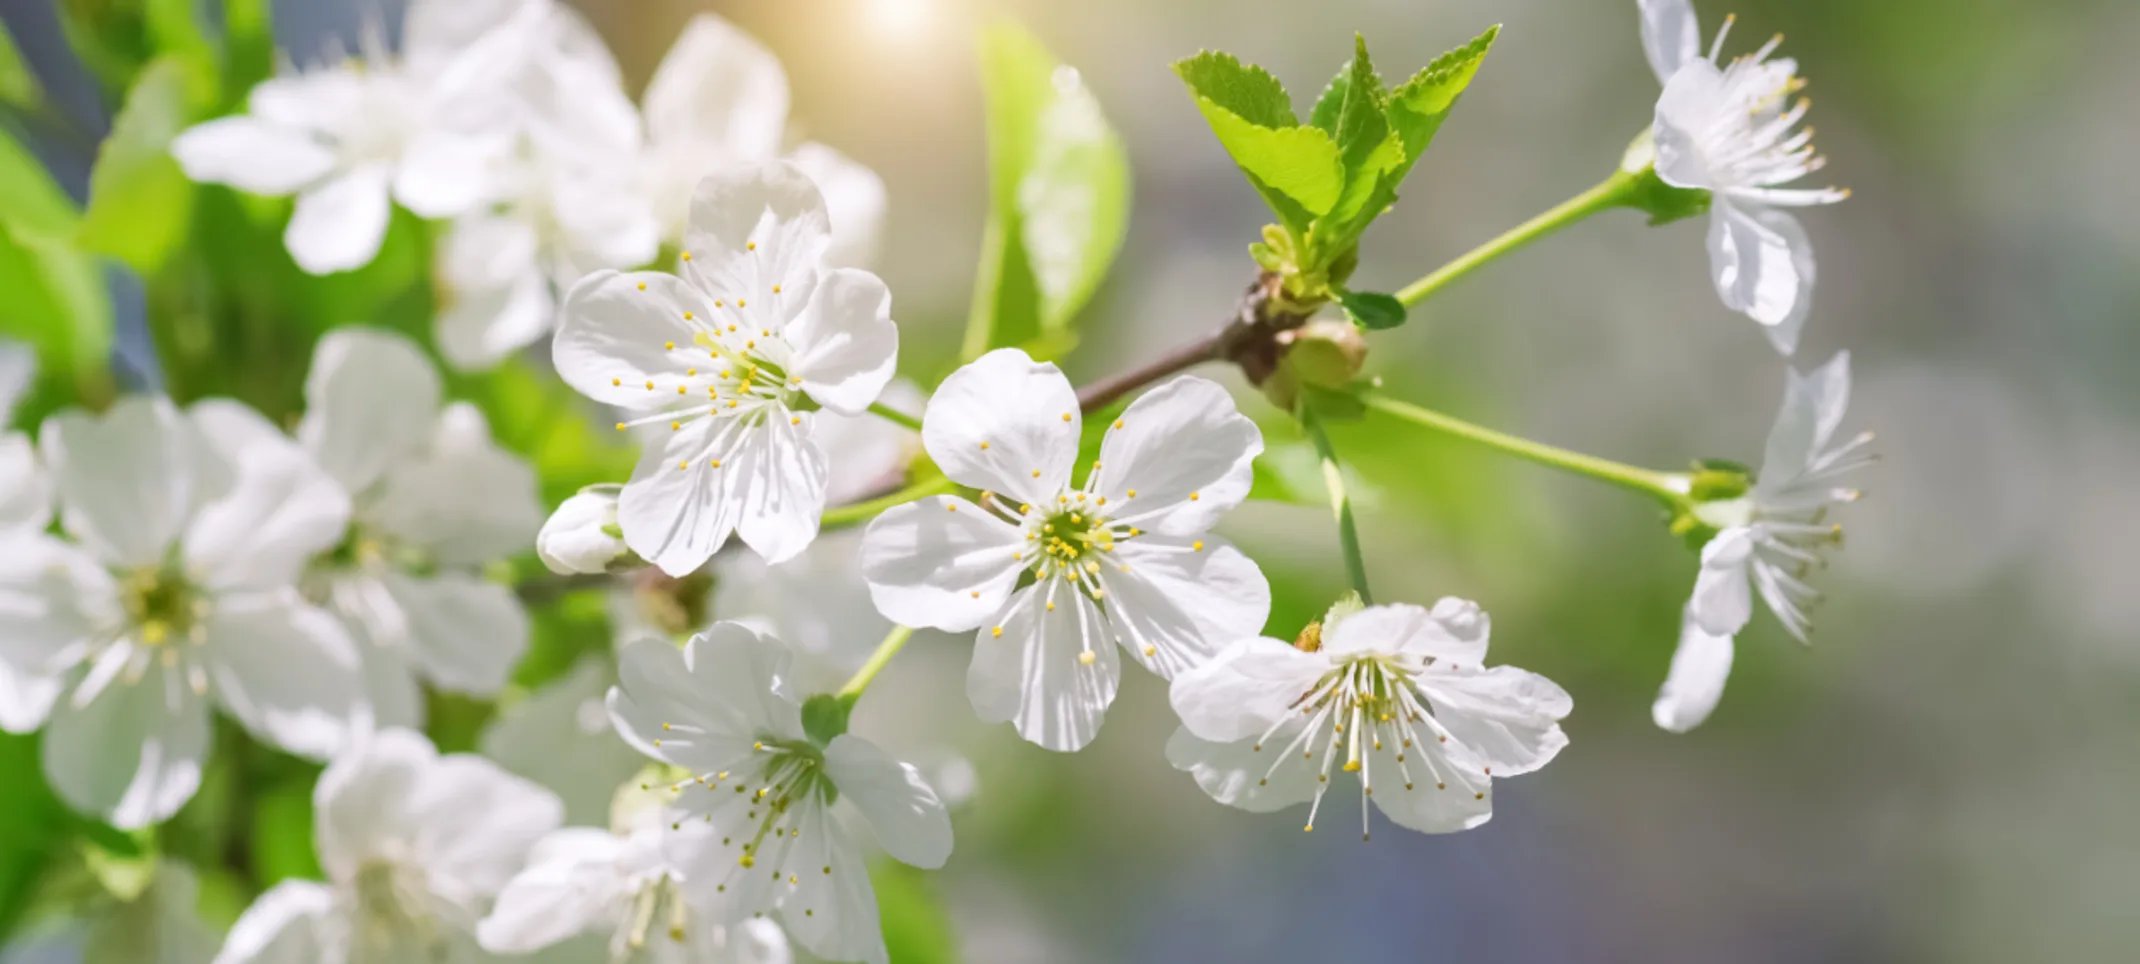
55,299
1368,190
1361,125
18,85
1373,310
1060,188
139,199
1244,90
1301,163
1418,107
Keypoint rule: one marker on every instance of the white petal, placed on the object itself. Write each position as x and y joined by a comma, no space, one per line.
1686,110
361,803
903,810
1813,407
833,914
474,825
1448,793
25,699
370,400
1245,689
724,691
941,562
1238,774
465,499
679,507
719,88
1182,599
1700,666
133,754
1185,438
1504,718
441,175
25,488
1454,632
855,199
1034,675
124,480
233,429
845,343
286,670
339,224
1023,411
281,511
570,886
465,633
612,337
290,924
390,687
1723,601
1763,267
54,599
480,327
253,155
777,484
560,737
1670,35
754,227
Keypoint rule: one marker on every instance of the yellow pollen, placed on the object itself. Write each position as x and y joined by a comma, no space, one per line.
1199,547
1193,496
670,345
1051,607
1066,416
1118,423
650,386
776,289
996,632
616,381
687,256
751,246
1153,651
1103,500
748,861
795,420
739,303
679,389
1036,473
1133,493
977,594
714,464
1087,657
620,426
680,466
984,445
676,426
642,286
731,403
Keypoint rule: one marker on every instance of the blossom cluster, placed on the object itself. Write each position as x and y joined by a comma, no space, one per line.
689,789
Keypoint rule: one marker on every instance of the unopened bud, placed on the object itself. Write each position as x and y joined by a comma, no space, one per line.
1320,354
582,536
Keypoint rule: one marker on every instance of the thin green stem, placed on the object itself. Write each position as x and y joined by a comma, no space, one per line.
895,641
895,416
859,512
1614,191
1340,503
1663,486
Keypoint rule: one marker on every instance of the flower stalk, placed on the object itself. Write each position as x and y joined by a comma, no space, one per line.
894,641
1668,488
1340,503
1619,190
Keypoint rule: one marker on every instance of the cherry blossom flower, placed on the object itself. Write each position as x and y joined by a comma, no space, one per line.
1400,694
415,845
175,586
1767,541
1731,129
722,710
1125,558
724,366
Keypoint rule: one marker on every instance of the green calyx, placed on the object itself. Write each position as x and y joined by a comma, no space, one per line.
1650,194
825,716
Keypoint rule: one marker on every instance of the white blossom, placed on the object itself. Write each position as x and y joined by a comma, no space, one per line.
582,535
415,845
435,500
1767,541
1125,558
724,364
722,709
1731,129
175,586
560,737
720,99
422,128
1400,694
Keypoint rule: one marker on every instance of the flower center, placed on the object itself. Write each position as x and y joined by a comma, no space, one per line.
164,605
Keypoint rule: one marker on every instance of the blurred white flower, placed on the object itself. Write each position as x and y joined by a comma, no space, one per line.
1727,129
1768,540
722,709
633,887
415,846
1401,693
561,737
160,925
582,535
435,500
566,200
727,361
18,369
1126,558
25,507
423,128
177,586
720,99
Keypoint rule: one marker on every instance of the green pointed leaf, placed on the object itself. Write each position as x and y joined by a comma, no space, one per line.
1300,163
139,200
18,85
1059,200
1360,125
1418,107
1243,90
1369,189
1373,310
52,295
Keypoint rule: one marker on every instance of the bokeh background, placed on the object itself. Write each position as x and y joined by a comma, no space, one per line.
1948,773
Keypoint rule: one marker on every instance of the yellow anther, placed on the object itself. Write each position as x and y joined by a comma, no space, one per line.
1196,546
1193,496
757,746
951,507
1087,657
679,389
997,632
687,256
748,861
1118,423
752,246
1133,493
1036,473
739,303
977,594
1051,607
1066,416
1102,501
713,464
691,372
650,385
616,381
1153,651
685,464
795,420
642,286
776,289
731,403
620,426
984,445
676,426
